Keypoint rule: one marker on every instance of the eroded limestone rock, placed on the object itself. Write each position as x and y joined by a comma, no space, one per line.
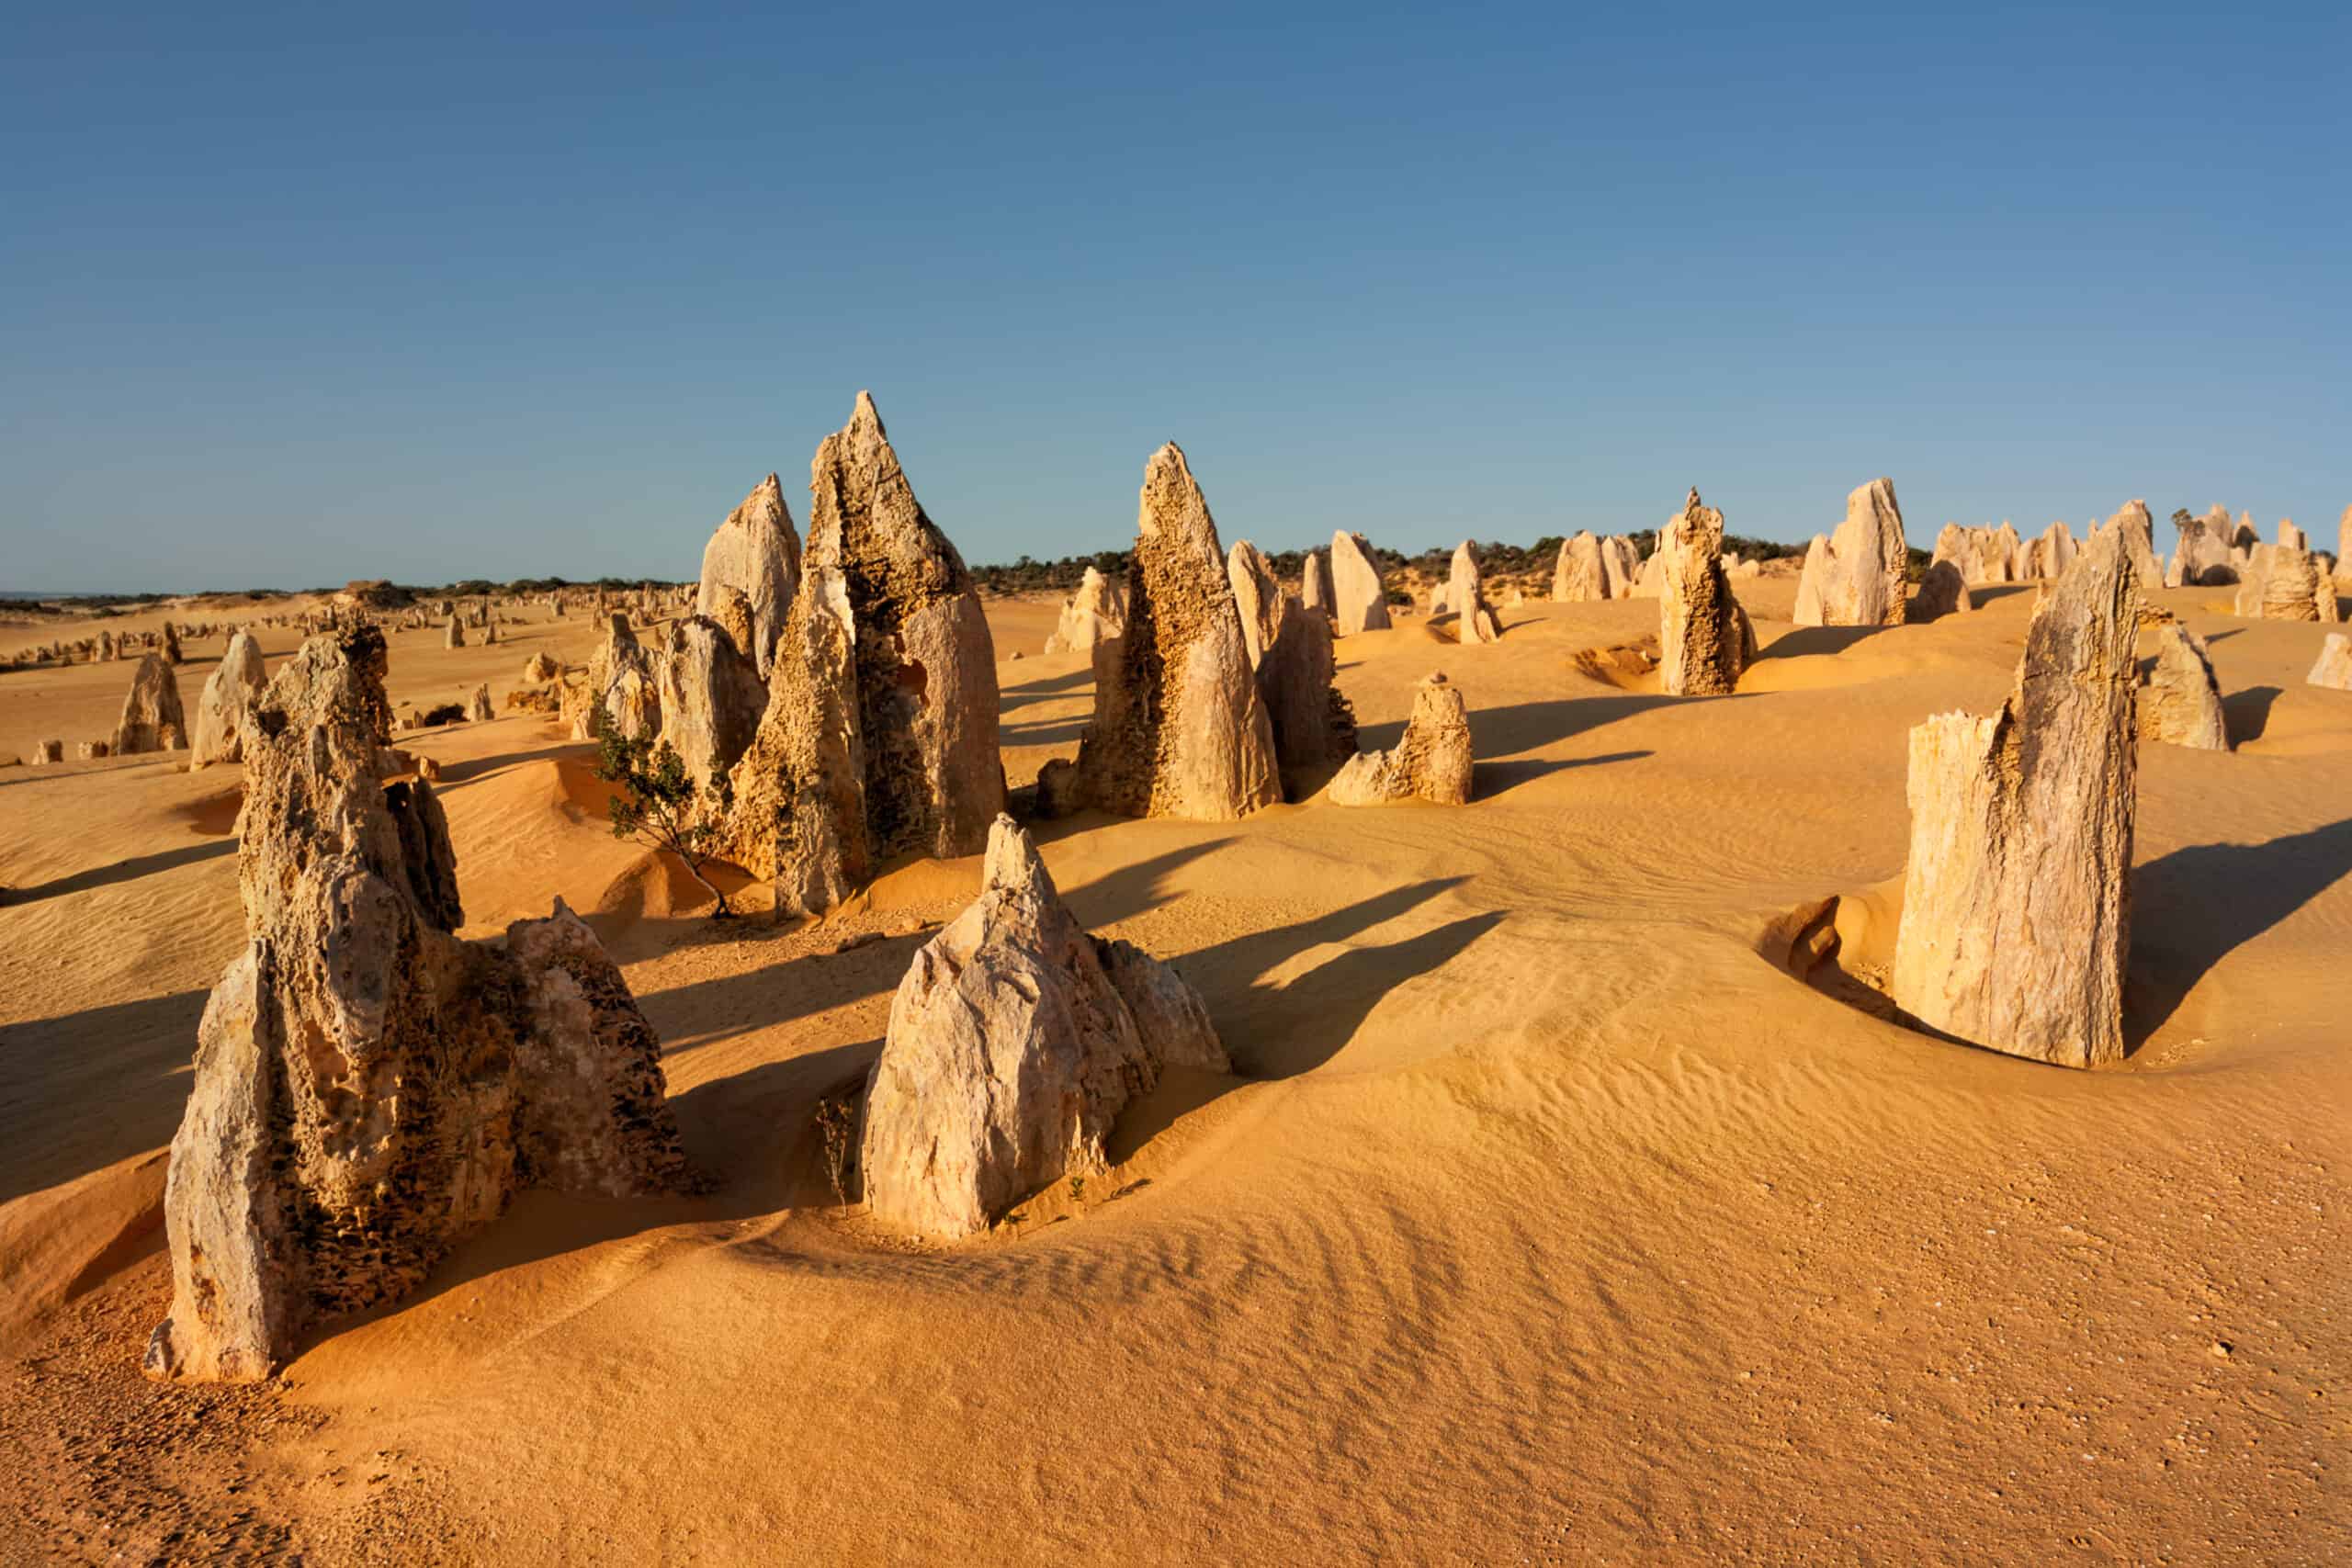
712,700
1095,614
1943,591
1466,595
2016,916
151,706
1705,637
756,554
1359,601
370,1088
880,734
1179,730
1315,588
228,696
1431,760
2333,669
1313,726
1015,1040
1257,596
1859,579
2180,702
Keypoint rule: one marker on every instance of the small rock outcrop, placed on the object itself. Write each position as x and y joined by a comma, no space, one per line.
1705,637
2016,918
712,700
151,711
48,750
756,554
170,646
1014,1042
1256,595
454,636
2333,669
1096,613
540,669
1178,728
1856,576
1466,595
1359,601
368,1087
880,734
228,696
2180,702
2202,556
1431,760
623,685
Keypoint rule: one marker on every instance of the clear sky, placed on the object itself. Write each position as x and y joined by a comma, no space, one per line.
292,294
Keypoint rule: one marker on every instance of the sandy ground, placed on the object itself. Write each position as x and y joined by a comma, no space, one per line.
1547,1219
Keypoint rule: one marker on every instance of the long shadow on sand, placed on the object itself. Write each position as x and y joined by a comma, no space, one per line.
2191,908
1044,686
1505,732
2247,713
129,870
1807,641
139,1076
456,774
1491,779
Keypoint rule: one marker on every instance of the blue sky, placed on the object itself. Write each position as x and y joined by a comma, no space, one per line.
289,295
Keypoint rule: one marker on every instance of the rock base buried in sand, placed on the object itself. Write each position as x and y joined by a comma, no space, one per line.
1015,1040
2180,702
1431,761
2016,916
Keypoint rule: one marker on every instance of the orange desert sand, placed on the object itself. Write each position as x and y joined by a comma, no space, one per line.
1546,1219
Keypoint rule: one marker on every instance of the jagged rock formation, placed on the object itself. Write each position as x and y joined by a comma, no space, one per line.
1093,615
2138,528
1314,588
2333,669
455,636
2280,583
623,684
1943,591
1581,575
756,554
228,696
151,711
1431,760
712,700
1256,595
368,1087
1178,728
1705,637
1856,576
1015,1039
1467,597
880,734
1312,724
1359,601
540,669
48,750
170,646
2201,557
2180,702
1620,565
2016,918
2054,551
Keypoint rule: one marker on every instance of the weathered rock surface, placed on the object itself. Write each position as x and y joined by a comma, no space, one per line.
1705,637
880,734
712,700
1095,614
1179,730
756,554
1359,601
2344,549
1015,1040
1860,581
2180,702
1431,760
479,709
1943,591
151,706
370,1088
2333,669
1315,588
1582,576
48,750
2278,583
623,685
1313,726
228,696
2201,557
2016,918
2054,551
540,669
2138,528
170,646
1257,596
1811,579
1466,595
455,635
1620,565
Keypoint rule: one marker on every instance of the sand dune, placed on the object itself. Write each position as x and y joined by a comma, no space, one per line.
1547,1218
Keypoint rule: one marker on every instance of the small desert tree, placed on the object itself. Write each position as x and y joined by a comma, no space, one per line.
659,811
